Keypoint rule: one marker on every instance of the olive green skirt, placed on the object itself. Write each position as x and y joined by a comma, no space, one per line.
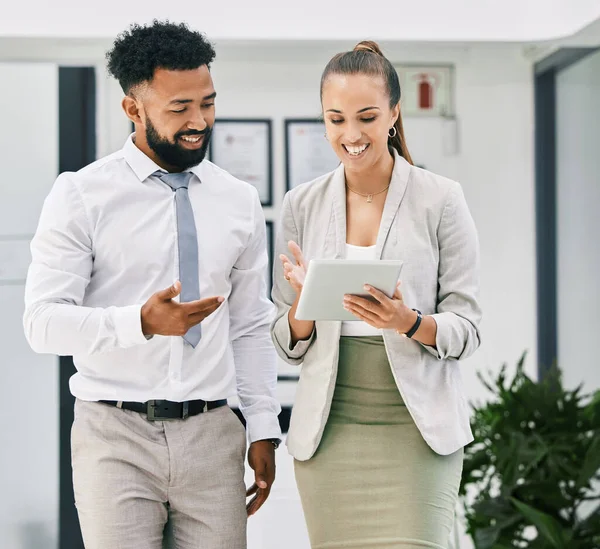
374,482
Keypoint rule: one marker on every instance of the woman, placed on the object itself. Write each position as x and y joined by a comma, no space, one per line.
379,420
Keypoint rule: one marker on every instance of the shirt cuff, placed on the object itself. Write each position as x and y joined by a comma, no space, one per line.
262,427
128,326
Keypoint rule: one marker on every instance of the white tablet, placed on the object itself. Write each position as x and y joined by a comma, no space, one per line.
328,280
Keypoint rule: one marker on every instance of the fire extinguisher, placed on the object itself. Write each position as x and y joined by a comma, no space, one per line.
425,90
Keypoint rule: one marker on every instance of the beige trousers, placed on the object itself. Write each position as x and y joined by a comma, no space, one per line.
132,477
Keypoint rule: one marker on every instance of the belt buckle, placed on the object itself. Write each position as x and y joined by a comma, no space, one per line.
154,415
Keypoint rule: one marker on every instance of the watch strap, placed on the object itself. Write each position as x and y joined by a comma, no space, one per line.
416,325
275,442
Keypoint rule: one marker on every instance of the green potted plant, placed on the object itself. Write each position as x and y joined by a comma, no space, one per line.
531,477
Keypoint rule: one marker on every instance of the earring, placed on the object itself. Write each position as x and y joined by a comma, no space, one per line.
325,134
392,135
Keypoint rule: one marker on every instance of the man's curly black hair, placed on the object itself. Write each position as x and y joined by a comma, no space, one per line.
140,50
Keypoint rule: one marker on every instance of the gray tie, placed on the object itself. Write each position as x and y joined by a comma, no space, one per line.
187,240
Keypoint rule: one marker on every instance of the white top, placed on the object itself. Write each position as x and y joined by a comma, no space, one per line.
106,241
358,327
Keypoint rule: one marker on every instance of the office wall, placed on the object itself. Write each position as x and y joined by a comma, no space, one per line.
578,223
494,103
28,382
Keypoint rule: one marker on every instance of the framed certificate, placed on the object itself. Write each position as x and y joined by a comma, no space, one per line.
242,147
271,252
308,154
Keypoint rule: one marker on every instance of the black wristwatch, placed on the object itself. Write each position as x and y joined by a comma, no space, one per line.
275,442
415,326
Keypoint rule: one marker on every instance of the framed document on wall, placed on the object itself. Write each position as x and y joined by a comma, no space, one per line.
271,252
242,147
308,154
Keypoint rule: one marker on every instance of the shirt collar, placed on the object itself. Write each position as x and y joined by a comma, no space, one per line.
142,165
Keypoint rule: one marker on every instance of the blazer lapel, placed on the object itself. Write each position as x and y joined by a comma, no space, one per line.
338,185
400,175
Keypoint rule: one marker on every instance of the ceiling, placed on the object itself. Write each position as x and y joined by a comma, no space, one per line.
385,20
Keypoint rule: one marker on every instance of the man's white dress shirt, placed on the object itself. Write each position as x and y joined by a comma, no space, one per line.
106,241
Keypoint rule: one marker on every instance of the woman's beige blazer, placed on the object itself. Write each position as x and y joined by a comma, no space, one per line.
426,223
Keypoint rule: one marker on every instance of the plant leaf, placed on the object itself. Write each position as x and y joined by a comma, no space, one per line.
546,525
591,463
485,538
589,528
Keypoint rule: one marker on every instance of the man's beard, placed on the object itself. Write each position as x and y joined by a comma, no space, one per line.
173,154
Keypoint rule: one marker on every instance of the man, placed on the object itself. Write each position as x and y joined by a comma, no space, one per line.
153,440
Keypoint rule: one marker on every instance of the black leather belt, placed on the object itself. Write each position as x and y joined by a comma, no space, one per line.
164,410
